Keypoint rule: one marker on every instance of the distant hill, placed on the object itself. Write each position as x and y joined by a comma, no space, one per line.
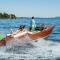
27,17
57,17
38,18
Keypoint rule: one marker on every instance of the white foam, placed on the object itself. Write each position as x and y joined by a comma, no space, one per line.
43,49
20,34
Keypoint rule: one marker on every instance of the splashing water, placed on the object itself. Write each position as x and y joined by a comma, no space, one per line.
27,49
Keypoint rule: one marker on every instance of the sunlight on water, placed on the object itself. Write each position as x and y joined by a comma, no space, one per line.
40,49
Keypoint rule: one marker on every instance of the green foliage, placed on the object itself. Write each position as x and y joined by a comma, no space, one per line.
12,16
7,16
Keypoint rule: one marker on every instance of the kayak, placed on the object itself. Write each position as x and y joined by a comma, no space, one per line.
42,34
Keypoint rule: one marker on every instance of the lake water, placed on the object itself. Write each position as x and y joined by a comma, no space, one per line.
46,48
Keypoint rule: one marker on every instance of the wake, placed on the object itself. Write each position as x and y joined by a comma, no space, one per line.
37,49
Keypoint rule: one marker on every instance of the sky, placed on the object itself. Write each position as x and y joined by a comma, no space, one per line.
28,8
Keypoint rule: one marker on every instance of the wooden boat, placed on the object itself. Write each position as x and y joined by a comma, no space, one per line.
43,34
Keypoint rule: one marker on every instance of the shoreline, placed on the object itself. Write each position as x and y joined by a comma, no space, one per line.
30,18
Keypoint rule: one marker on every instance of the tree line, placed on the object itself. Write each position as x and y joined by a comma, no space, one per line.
7,16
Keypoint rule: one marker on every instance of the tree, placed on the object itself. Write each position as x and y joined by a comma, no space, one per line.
7,16
1,15
12,16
